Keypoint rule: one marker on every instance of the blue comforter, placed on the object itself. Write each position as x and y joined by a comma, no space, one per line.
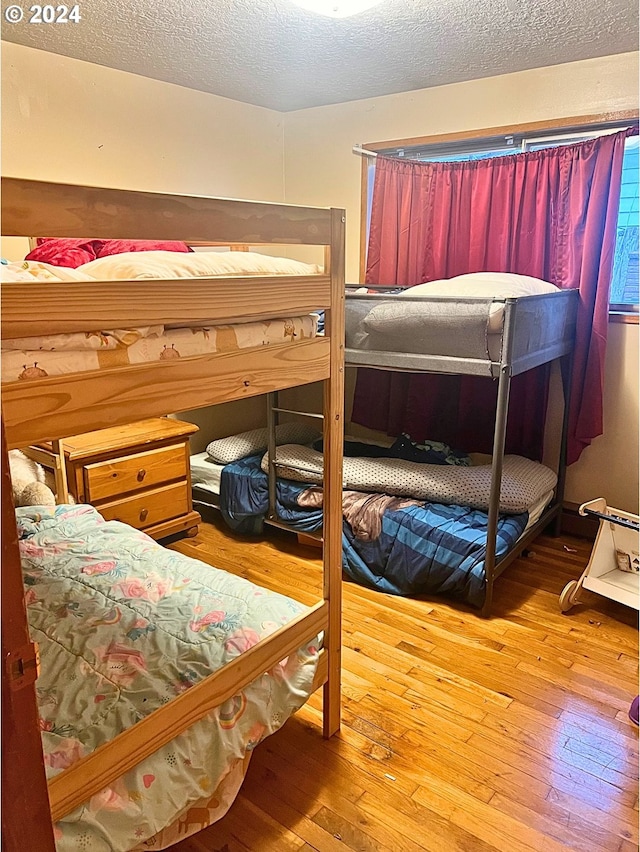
426,548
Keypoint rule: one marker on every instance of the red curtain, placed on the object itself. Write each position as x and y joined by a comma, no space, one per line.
551,214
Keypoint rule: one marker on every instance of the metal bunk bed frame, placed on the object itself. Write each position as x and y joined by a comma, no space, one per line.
535,330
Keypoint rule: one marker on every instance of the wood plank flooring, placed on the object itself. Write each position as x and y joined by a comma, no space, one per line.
459,734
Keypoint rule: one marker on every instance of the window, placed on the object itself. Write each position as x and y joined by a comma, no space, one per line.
624,297
624,283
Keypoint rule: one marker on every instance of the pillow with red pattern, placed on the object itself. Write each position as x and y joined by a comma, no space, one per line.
109,247
75,252
65,252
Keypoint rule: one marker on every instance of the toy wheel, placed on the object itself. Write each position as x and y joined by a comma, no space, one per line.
569,596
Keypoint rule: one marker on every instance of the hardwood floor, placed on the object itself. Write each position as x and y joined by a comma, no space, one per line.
459,734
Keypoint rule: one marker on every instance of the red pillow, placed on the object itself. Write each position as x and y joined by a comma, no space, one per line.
63,252
108,247
75,252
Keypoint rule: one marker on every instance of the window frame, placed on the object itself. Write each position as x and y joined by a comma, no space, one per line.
504,137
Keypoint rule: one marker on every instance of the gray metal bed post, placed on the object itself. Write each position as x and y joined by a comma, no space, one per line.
499,435
272,403
566,370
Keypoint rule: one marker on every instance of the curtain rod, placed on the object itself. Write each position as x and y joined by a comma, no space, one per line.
357,149
364,152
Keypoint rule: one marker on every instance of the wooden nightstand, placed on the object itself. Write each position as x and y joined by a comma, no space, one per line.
137,473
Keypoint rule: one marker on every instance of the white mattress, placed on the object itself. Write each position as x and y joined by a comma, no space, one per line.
536,510
205,473
483,285
456,318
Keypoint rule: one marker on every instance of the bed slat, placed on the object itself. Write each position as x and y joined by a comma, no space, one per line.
38,208
66,306
37,410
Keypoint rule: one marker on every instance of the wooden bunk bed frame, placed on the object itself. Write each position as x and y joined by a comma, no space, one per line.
53,407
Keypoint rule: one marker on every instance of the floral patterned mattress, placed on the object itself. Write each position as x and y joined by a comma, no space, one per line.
123,626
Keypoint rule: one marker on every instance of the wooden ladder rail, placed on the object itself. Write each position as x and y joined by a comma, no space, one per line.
54,460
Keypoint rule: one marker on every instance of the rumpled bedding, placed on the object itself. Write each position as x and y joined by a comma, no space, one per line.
123,626
523,481
363,512
407,547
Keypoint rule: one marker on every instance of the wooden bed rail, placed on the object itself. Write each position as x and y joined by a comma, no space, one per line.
111,760
72,306
58,406
54,460
66,210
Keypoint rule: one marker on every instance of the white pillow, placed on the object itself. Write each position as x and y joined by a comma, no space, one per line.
227,450
198,264
484,285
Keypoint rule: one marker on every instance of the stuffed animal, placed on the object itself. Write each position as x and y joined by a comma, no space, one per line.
28,481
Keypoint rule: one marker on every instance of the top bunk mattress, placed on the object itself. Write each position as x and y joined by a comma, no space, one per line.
37,357
100,349
458,324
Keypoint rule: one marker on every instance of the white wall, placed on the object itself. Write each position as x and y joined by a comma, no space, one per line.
320,169
609,467
67,120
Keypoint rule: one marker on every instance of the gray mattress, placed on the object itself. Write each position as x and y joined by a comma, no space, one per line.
468,335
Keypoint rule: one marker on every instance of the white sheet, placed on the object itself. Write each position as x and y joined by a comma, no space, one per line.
536,510
205,473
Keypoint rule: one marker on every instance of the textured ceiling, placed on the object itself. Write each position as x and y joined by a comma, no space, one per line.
274,54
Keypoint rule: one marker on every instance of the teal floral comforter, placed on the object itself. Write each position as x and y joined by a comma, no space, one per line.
123,626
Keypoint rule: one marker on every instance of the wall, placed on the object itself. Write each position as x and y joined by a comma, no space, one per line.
67,120
609,467
321,169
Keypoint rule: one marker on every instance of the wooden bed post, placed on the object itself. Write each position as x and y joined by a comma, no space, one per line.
26,819
333,451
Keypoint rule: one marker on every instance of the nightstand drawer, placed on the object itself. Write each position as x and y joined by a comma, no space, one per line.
116,477
149,508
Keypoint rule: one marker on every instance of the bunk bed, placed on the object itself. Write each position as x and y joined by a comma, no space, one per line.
419,329
49,407
412,528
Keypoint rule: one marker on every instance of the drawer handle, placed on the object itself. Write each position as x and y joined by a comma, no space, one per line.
141,474
143,514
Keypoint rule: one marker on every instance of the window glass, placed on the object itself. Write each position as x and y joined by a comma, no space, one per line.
624,283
